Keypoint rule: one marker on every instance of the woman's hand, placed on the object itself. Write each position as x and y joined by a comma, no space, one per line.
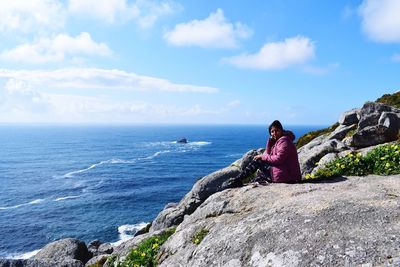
257,157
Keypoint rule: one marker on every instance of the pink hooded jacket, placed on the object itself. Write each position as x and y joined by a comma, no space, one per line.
282,156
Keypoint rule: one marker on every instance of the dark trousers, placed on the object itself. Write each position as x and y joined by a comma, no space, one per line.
253,166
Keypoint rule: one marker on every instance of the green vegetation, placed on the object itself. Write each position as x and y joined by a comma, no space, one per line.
383,160
390,99
305,139
199,236
145,253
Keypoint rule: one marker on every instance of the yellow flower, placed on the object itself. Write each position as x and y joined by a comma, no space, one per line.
155,246
349,155
143,254
307,176
342,166
383,158
337,164
197,241
357,161
312,176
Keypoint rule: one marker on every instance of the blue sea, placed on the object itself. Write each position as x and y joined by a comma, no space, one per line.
104,182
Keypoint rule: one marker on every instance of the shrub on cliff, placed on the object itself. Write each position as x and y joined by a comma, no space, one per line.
383,160
145,253
305,139
390,99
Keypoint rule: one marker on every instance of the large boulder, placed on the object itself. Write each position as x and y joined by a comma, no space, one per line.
374,107
373,135
64,250
390,120
341,131
201,190
96,247
368,120
351,221
311,153
349,117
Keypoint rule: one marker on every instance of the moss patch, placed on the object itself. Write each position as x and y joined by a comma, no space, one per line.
199,236
308,137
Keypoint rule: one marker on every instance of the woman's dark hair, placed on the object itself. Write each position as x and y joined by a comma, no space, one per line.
276,124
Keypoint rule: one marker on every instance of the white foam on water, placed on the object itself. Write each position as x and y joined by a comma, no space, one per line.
24,256
200,143
127,231
110,161
67,197
157,154
33,202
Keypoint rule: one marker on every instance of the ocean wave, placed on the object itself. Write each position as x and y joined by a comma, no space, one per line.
23,256
157,154
65,198
110,161
33,202
127,231
171,145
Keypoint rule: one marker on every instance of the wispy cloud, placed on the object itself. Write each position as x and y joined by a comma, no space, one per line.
22,102
56,49
213,32
395,58
381,20
101,78
144,12
32,15
278,55
234,104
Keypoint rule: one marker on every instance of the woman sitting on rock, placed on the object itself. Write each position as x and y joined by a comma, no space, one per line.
278,164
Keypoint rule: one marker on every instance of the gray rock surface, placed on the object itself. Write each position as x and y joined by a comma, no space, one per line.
390,120
340,132
201,190
99,260
346,222
373,135
349,117
64,250
368,120
311,153
39,263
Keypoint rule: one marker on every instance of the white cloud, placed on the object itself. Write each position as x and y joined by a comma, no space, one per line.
395,58
101,78
22,102
279,55
57,49
215,32
19,96
25,16
144,12
234,104
381,20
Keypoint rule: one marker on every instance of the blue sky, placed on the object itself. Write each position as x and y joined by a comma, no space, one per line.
203,62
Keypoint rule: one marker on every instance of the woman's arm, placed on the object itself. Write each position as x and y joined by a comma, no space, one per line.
282,152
